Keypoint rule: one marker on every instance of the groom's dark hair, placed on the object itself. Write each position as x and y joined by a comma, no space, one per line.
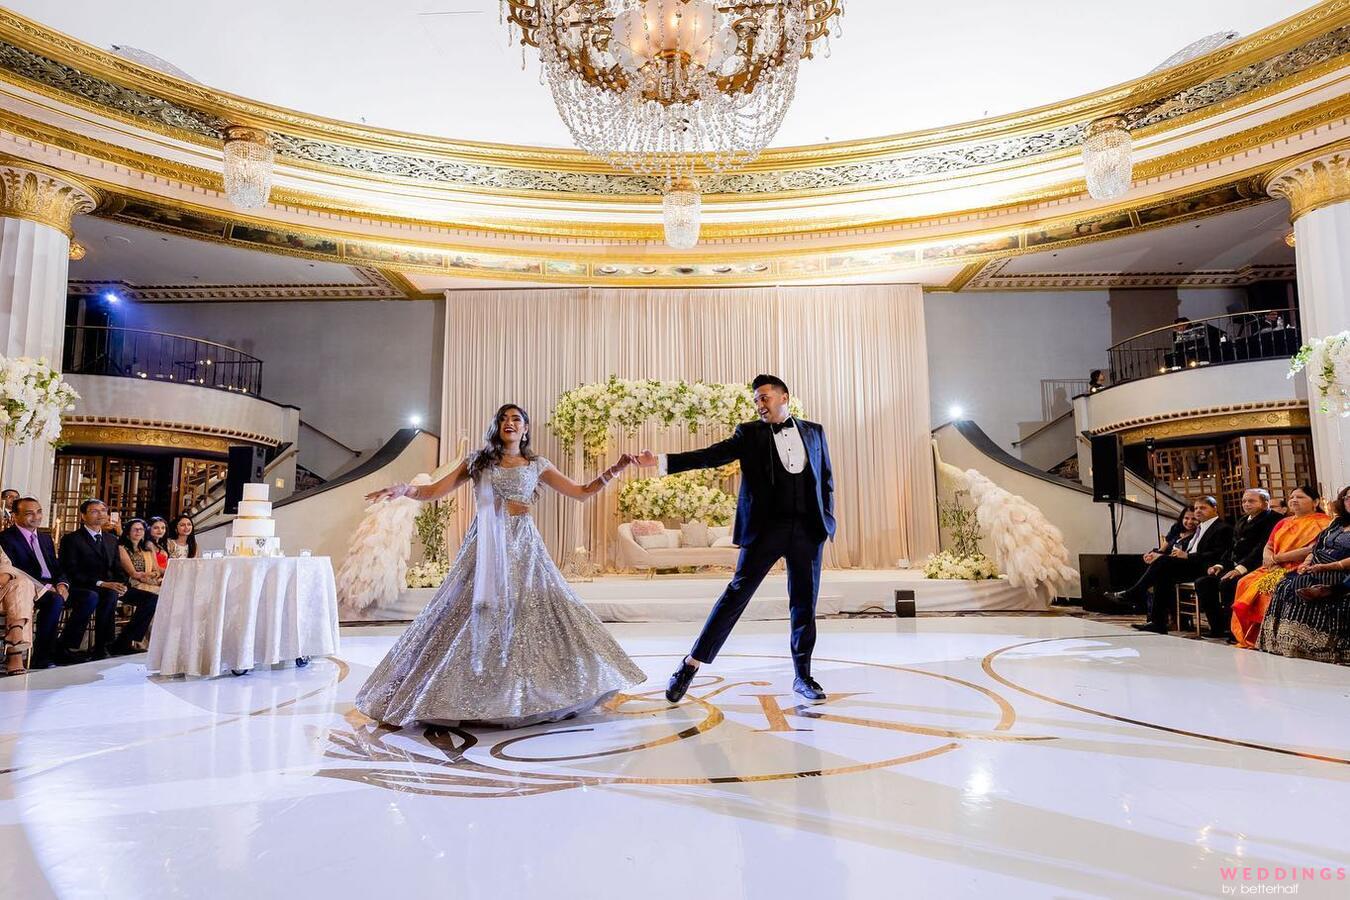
761,380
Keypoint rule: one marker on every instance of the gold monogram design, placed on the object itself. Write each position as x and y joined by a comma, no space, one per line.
739,730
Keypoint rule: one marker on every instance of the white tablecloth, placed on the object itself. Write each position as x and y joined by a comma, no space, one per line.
227,613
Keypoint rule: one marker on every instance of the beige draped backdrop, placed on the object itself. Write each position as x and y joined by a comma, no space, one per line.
853,355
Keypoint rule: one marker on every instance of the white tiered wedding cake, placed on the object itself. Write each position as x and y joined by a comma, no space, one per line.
254,531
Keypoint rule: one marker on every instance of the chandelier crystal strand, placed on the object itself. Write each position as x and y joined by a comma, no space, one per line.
1107,158
249,161
682,214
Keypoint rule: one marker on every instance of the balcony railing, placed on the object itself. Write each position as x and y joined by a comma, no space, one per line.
155,356
1242,337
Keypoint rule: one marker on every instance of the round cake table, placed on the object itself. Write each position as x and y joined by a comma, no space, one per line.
232,614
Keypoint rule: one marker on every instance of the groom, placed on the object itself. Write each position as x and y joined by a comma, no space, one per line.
785,511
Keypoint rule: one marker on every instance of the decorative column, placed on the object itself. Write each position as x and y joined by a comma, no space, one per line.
1318,190
37,206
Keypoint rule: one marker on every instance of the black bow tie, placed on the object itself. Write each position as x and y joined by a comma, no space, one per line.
779,426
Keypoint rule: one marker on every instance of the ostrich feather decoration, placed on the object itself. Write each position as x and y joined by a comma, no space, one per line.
374,572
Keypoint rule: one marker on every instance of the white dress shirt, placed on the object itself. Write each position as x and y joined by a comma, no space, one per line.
788,441
1199,533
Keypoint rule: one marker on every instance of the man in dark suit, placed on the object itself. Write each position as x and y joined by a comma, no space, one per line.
785,511
1212,539
32,551
89,559
1215,589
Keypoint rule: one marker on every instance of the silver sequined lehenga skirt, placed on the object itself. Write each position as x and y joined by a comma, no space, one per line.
554,659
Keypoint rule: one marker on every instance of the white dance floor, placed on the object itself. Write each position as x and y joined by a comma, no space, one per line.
688,598
981,756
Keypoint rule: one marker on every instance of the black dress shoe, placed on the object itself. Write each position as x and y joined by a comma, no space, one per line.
98,653
1148,626
123,650
809,688
64,657
41,662
680,681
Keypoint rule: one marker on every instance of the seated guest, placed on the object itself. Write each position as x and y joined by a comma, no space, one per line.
183,544
1096,381
1308,617
1291,541
158,535
1251,533
18,594
1185,562
1280,505
31,550
1182,530
7,498
89,559
136,560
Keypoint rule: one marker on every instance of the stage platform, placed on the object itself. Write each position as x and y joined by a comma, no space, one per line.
687,598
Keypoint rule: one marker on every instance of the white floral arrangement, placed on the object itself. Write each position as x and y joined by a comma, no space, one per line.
591,412
427,574
949,565
32,398
686,497
1327,361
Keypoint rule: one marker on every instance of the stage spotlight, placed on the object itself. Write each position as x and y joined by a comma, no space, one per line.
955,411
111,297
415,421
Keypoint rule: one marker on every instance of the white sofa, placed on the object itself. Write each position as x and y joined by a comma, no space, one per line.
633,555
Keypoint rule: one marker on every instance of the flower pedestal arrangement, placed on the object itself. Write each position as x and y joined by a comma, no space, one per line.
32,398
1327,362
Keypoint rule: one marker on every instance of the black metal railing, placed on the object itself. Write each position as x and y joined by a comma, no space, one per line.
1241,337
156,356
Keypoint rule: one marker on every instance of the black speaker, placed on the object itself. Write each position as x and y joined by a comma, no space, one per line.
1103,572
904,604
246,467
1108,470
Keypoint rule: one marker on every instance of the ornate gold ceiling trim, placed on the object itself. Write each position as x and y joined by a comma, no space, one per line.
193,112
42,194
1314,180
374,285
1335,110
1210,420
83,430
739,267
963,278
992,278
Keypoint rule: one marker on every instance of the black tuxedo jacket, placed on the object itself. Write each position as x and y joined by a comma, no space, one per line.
16,548
751,444
87,560
1217,540
1250,536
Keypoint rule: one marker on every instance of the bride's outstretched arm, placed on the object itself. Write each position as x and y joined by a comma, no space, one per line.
458,475
569,488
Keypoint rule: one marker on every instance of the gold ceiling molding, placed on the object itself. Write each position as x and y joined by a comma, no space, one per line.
101,430
994,278
43,195
373,285
763,266
1210,420
77,73
1313,181
1320,116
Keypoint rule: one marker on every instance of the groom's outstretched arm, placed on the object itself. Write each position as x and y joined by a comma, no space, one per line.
719,454
826,475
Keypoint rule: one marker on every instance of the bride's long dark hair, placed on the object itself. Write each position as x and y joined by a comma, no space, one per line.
493,446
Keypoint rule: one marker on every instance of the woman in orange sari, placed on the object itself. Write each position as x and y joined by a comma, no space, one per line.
1290,543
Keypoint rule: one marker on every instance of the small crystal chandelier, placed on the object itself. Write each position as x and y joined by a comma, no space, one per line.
1107,148
682,214
248,166
663,87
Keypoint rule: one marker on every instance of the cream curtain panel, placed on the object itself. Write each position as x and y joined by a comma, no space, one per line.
855,356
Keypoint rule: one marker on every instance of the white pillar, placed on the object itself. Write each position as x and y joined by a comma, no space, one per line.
1318,190
37,206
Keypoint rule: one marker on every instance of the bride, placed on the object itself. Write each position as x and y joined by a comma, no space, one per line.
504,641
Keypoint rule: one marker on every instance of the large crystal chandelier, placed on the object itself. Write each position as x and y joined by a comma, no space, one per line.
248,166
1107,158
663,87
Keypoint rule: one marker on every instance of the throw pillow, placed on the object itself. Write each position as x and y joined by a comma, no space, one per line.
694,534
648,527
716,532
653,541
723,542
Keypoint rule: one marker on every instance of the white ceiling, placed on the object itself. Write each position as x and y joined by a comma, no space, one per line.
1227,242
442,67
116,252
